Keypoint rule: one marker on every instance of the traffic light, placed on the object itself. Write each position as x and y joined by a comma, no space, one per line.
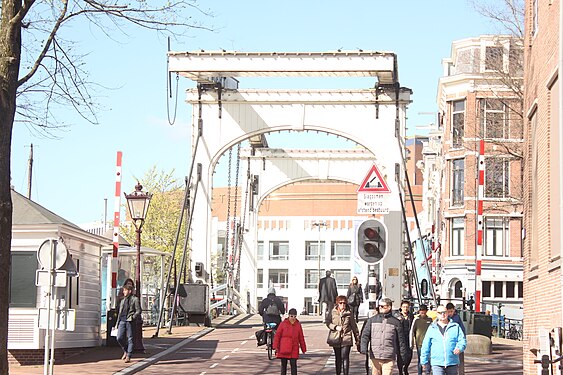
372,238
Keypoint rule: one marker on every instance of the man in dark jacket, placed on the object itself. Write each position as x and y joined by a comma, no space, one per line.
129,312
327,292
271,308
406,318
384,333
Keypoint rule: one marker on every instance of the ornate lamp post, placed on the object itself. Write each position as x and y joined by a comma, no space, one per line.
138,204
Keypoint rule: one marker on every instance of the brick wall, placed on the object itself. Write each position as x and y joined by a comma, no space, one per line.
542,270
35,357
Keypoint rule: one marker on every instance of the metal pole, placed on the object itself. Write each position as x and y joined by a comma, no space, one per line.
50,289
138,328
319,265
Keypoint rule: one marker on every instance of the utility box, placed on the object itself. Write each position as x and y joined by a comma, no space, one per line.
195,302
481,325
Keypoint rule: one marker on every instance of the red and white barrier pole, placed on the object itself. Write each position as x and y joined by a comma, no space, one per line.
480,224
116,222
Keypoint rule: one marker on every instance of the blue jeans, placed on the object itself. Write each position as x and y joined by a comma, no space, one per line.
125,336
444,370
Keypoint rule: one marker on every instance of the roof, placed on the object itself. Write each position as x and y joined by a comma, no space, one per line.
27,212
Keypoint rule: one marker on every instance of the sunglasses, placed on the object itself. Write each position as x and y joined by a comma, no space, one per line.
441,312
341,303
293,316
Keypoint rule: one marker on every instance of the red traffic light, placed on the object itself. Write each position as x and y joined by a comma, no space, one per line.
371,234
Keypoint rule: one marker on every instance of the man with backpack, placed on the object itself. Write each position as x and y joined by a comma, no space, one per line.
271,308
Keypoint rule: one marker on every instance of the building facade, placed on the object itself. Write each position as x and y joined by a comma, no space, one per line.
479,140
543,283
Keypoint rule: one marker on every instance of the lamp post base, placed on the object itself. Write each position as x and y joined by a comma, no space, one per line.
138,336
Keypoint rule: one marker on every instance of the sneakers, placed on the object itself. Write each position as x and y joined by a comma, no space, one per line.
127,359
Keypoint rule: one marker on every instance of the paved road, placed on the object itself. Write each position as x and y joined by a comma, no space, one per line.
230,348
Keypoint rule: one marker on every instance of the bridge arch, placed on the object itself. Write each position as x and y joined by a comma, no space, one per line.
226,115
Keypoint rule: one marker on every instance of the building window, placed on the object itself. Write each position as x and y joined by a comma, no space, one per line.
493,114
340,250
497,285
486,286
510,291
493,58
458,235
279,250
342,278
260,251
309,306
73,287
497,177
458,122
458,289
458,171
260,278
23,292
516,59
312,250
497,236
520,289
279,278
311,279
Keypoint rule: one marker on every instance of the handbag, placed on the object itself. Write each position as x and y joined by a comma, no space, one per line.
334,338
352,299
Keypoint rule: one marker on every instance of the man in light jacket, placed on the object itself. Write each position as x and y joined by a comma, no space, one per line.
443,342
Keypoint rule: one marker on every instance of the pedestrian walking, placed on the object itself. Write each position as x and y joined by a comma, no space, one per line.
327,292
288,339
355,297
384,334
406,318
453,315
442,344
343,333
419,327
129,312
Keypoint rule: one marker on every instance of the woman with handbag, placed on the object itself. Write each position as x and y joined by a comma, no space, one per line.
289,337
355,297
343,332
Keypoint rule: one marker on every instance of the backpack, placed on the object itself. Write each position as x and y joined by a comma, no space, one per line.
272,309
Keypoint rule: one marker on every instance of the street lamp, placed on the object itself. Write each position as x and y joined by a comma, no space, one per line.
138,204
319,224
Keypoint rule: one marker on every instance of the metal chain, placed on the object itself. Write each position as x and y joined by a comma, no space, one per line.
242,224
226,249
235,238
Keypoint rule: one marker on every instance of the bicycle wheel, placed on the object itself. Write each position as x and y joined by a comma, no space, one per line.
269,345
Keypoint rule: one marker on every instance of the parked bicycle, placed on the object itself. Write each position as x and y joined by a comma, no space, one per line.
514,332
270,330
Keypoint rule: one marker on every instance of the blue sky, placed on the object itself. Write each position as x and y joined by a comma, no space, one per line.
74,173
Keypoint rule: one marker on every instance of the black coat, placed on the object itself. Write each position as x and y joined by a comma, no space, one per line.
327,289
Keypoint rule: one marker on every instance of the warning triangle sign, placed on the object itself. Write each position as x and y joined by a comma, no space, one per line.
374,182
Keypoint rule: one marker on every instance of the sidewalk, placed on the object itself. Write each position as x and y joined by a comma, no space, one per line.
107,360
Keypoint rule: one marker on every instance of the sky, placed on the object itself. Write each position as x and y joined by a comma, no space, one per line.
73,171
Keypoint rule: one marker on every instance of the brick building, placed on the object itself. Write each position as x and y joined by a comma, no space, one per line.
543,284
480,199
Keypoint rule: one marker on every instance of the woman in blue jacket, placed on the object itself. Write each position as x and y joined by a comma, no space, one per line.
443,342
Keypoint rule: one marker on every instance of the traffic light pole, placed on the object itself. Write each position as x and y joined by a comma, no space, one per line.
372,295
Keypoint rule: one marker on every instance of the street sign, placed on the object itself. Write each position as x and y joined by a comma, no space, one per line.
372,203
374,182
42,278
45,254
62,320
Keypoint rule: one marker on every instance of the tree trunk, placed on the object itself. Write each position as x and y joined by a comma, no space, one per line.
10,55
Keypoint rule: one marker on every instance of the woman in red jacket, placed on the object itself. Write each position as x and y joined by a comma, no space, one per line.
289,337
